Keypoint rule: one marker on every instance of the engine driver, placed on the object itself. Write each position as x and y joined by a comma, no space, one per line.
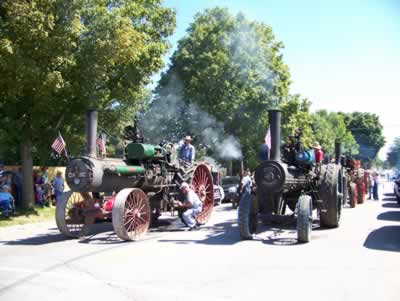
319,156
187,151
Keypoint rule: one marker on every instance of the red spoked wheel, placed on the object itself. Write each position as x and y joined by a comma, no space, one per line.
361,193
202,183
69,219
131,214
353,195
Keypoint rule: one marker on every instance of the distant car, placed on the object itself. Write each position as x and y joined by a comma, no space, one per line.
218,194
231,185
396,189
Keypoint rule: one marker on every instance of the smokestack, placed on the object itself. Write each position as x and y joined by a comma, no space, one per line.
91,133
275,128
338,152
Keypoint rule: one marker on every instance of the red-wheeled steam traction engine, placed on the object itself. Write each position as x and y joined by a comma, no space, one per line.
131,192
356,182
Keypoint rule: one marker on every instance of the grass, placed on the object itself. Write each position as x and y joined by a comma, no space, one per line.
27,216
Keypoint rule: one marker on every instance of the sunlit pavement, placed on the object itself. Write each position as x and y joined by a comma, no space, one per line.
357,261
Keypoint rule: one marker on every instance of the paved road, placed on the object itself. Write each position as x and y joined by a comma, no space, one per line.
358,261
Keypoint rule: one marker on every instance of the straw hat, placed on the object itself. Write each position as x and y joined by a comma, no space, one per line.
188,138
316,145
184,185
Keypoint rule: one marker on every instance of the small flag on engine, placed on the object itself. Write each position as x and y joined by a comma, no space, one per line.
58,144
101,143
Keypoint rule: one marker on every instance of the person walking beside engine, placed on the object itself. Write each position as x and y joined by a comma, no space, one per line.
58,185
247,182
192,204
187,151
370,185
375,179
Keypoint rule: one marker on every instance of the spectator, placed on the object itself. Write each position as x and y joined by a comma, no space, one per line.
38,183
369,186
187,151
18,185
1,170
192,204
6,200
58,185
375,183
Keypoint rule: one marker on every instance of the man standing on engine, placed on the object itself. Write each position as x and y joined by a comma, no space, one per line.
187,151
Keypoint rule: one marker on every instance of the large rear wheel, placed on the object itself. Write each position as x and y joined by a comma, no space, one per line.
200,179
69,218
329,191
131,214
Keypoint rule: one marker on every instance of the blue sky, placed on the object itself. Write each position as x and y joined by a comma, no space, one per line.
342,55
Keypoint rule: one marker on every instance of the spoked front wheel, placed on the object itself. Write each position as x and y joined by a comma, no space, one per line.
69,218
304,218
131,214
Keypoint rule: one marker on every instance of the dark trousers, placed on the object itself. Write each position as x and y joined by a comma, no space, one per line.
375,192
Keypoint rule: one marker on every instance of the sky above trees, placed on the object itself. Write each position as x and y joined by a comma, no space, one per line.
343,55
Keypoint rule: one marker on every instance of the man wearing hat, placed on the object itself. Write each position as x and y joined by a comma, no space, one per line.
192,204
319,156
187,152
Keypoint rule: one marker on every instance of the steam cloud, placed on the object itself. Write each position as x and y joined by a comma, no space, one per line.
170,118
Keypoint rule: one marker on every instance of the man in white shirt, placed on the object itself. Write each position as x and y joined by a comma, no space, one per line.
192,204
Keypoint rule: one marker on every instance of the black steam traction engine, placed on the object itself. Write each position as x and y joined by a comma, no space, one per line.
130,192
292,181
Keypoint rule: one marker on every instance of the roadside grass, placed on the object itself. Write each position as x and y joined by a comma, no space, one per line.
27,216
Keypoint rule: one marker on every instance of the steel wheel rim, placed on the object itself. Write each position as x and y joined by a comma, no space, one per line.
203,186
136,214
72,207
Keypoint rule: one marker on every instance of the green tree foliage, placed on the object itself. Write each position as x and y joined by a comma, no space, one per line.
367,131
329,127
231,68
58,58
393,155
295,114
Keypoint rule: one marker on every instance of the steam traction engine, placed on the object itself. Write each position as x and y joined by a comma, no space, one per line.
292,181
130,192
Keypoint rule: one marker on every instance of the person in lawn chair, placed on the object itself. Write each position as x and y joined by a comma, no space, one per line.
7,202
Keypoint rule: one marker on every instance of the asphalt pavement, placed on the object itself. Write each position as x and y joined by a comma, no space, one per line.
357,261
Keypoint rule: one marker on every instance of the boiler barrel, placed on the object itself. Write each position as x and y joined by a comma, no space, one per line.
86,174
272,177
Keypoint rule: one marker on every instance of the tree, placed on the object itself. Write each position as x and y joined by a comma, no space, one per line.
231,68
295,114
393,155
58,58
367,131
330,127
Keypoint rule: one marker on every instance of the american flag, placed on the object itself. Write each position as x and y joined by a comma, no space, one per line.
101,143
267,138
58,144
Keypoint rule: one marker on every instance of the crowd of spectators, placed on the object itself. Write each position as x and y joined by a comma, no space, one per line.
46,192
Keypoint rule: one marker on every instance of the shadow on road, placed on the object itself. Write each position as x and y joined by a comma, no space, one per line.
226,233
393,216
49,238
42,239
386,238
392,199
391,205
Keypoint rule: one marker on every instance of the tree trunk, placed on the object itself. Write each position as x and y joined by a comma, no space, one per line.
27,170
